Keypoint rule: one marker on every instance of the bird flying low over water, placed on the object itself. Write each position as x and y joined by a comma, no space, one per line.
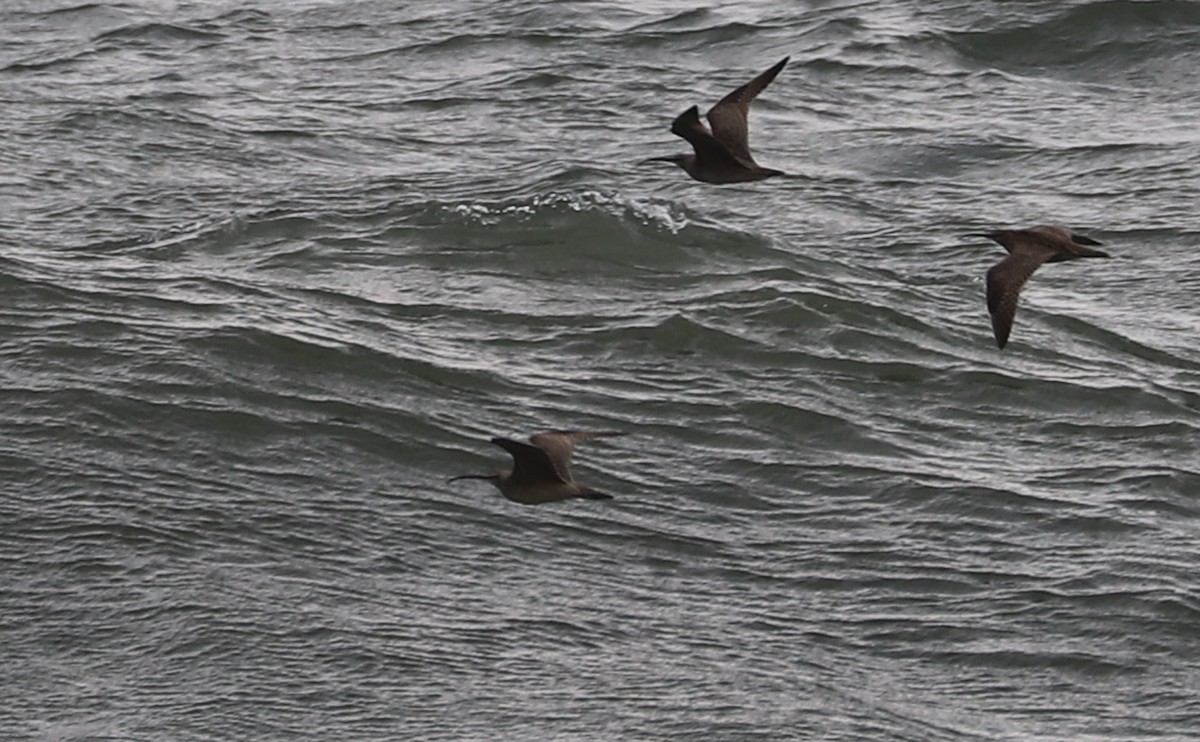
723,154
1027,250
542,472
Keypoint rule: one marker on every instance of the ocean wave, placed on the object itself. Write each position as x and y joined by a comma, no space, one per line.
1093,36
155,33
267,280
561,228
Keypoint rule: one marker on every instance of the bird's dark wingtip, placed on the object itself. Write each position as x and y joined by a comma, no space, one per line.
1081,240
593,495
685,121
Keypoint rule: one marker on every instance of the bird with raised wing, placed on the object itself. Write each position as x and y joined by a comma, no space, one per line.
542,471
722,155
1027,250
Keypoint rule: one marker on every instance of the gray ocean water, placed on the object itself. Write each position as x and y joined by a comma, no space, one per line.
271,272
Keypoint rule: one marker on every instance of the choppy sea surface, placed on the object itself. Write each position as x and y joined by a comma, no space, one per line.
271,272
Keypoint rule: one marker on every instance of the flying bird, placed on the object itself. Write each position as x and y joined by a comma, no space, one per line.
723,154
1027,250
541,472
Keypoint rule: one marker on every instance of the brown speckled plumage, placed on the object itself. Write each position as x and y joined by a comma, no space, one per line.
1027,250
722,155
542,471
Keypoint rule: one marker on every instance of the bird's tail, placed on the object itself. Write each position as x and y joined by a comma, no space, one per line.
591,494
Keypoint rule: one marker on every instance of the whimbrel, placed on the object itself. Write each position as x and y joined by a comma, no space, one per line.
542,472
723,155
1027,250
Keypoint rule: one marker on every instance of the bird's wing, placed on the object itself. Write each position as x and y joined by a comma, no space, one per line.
728,118
1051,234
1004,282
708,149
1063,235
1080,239
558,446
1064,241
530,463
